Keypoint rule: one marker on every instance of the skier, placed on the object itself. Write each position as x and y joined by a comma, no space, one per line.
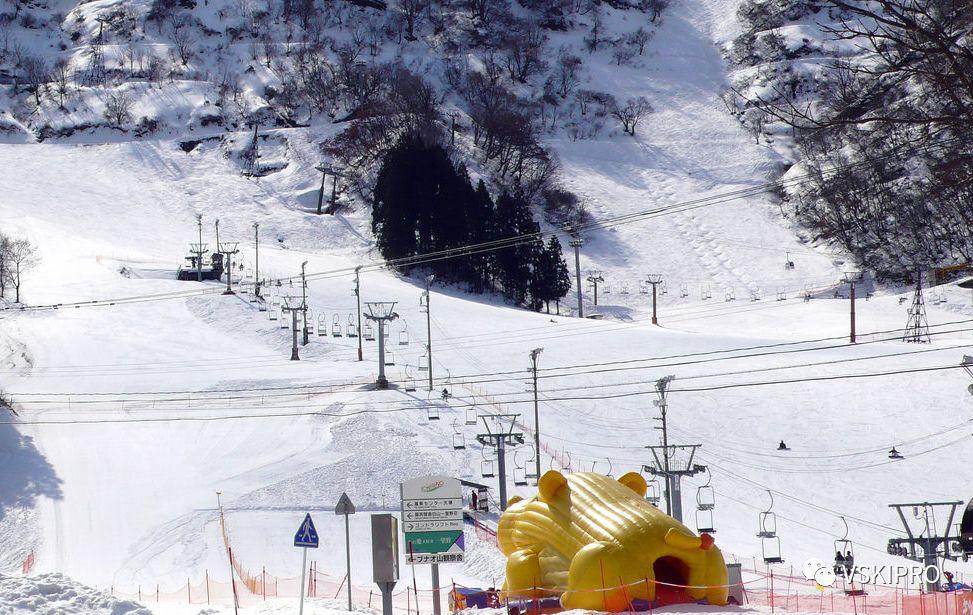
473,499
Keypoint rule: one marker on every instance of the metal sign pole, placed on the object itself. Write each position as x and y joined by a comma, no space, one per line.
300,611
436,608
348,558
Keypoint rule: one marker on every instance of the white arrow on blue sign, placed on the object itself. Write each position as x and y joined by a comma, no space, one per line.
306,535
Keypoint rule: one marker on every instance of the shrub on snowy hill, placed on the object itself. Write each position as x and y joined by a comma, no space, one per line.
874,99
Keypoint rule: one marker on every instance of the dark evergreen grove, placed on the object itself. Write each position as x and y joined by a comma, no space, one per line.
423,204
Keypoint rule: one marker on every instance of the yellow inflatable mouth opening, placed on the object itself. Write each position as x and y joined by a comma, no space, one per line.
675,572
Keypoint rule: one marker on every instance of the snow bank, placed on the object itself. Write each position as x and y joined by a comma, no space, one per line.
56,594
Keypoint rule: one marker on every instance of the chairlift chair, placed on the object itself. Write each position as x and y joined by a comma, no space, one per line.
683,291
385,329
705,503
606,288
624,288
389,356
336,326
351,330
486,468
653,491
471,415
404,337
894,454
370,334
432,412
755,294
272,314
322,325
410,384
531,466
788,263
284,320
309,322
769,541
643,287
665,288
844,554
459,441
730,296
520,471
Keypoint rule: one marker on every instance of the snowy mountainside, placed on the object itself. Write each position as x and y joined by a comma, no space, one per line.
140,412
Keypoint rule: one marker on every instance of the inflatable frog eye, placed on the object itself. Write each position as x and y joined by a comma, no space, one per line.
635,482
549,485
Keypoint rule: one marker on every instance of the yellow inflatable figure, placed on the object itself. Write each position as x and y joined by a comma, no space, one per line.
584,532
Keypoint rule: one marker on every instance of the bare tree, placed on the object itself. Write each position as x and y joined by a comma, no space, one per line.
185,42
566,74
118,109
412,11
524,45
639,38
622,53
631,113
23,257
61,78
5,244
35,73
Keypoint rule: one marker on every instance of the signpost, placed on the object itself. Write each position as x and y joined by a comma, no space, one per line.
432,520
346,508
385,557
306,538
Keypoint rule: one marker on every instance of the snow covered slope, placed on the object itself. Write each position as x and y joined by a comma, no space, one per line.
132,416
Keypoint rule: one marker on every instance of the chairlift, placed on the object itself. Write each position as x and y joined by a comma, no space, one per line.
643,287
423,361
322,325
705,503
783,446
781,295
653,491
625,288
606,288
471,415
309,322
336,326
389,356
531,465
755,294
351,329
459,440
385,329
284,324
894,454
594,466
767,532
520,471
370,333
730,296
665,288
404,336
683,291
705,293
788,263
432,412
844,555
486,466
272,314
410,379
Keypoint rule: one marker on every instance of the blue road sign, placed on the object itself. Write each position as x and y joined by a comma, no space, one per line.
306,535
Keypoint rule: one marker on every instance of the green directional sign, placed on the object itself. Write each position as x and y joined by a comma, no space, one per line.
433,542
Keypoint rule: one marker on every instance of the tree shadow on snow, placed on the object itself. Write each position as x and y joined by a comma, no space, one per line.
25,473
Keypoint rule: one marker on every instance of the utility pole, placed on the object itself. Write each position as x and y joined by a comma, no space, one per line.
576,243
499,440
228,249
217,234
537,423
256,259
666,466
594,277
293,310
429,280
199,255
654,279
917,328
932,546
381,312
852,278
324,175
304,300
358,303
